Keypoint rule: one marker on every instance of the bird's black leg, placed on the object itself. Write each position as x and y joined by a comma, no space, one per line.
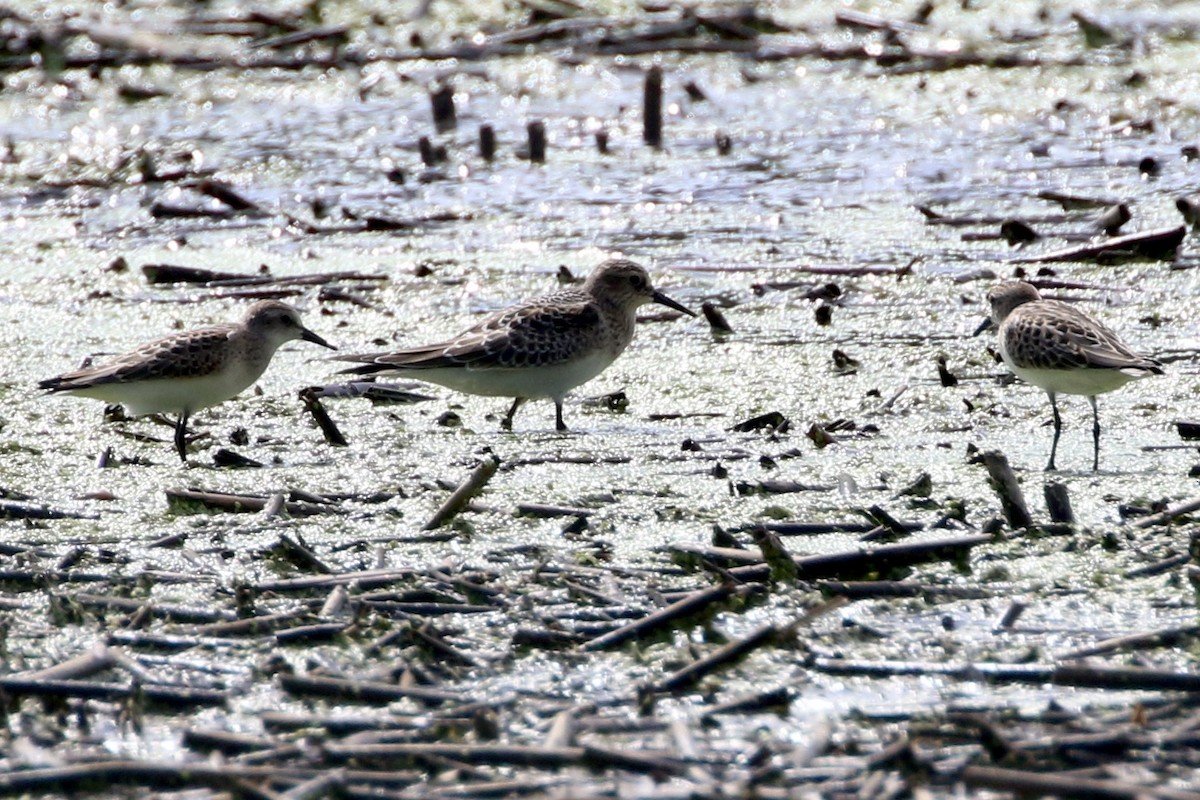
181,436
559,425
1057,432
1095,435
506,423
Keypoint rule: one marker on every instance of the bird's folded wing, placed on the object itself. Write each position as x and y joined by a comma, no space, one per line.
195,353
528,336
1100,348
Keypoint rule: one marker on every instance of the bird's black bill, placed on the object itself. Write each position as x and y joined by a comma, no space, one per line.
663,300
309,336
983,326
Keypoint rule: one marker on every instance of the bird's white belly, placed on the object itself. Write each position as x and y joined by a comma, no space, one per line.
1082,381
530,382
172,395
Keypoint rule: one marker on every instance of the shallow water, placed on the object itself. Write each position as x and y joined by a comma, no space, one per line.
829,160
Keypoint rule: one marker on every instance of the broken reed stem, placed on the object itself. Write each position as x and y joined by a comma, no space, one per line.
734,651
1015,609
685,607
428,155
652,121
782,565
442,103
716,320
1058,503
463,494
487,143
652,108
1028,783
1004,484
329,428
1168,516
537,141
1158,245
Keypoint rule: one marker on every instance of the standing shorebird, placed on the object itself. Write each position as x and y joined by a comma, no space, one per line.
185,372
1063,350
542,348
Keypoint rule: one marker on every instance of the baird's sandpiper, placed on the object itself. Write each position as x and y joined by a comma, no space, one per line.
1063,350
541,348
185,372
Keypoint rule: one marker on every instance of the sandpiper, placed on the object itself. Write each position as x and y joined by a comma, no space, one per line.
542,348
185,372
1063,350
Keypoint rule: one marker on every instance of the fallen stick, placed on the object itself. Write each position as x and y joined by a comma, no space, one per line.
1072,202
431,639
1076,675
95,659
252,626
140,640
180,500
317,632
1168,516
342,724
311,279
362,691
15,510
226,742
860,589
329,428
327,784
1026,783
377,393
871,561
364,579
1158,567
736,650
1004,484
722,656
301,555
226,194
822,528
170,211
1156,245
631,760
1168,637
770,486
172,273
717,323
495,754
39,578
543,511
159,775
681,609
472,486
170,613
173,696
425,609
777,698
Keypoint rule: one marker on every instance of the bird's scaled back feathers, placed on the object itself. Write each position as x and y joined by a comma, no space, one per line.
596,318
1052,335
192,369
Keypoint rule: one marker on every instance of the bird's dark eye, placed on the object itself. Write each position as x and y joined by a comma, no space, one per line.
637,281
